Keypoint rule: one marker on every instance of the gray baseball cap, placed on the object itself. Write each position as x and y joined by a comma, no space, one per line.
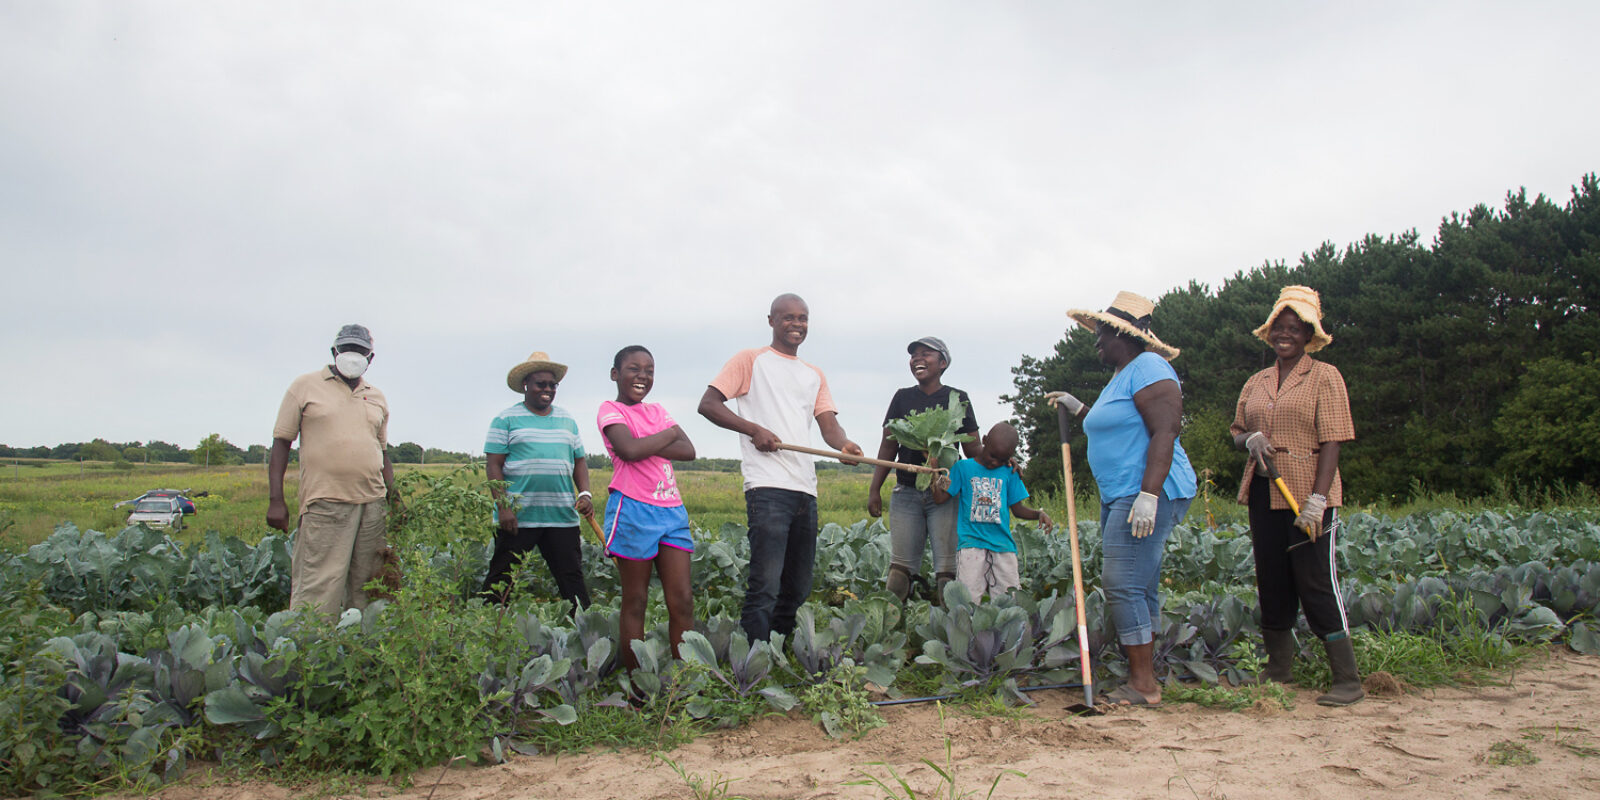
932,343
354,334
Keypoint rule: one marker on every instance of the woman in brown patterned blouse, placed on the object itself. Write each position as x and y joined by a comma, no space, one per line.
1294,415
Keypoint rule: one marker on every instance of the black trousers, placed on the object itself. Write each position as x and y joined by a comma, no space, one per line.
1291,580
561,552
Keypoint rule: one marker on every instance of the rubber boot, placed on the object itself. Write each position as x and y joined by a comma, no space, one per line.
1280,657
942,580
1346,680
899,582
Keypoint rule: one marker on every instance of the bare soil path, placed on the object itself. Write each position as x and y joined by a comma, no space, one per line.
1448,743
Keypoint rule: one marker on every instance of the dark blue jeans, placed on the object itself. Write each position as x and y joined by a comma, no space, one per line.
783,551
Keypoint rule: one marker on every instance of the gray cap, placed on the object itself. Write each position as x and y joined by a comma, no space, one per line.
932,343
354,334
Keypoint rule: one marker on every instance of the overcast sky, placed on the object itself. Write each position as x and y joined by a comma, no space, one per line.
195,196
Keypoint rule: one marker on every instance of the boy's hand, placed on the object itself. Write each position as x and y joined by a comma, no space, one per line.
941,481
1045,525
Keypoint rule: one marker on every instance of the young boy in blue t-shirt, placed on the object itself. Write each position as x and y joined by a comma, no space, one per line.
990,491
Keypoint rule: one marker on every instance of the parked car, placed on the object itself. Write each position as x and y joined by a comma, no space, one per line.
158,513
181,495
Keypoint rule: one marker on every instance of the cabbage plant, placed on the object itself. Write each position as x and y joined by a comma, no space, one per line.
933,431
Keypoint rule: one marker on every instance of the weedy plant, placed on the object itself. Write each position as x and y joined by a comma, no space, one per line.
1261,695
1571,742
841,703
703,787
1510,754
896,787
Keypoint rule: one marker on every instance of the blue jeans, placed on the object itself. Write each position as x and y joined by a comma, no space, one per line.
914,519
1131,568
783,551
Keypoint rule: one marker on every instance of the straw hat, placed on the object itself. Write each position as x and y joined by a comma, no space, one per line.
538,361
1307,305
1129,314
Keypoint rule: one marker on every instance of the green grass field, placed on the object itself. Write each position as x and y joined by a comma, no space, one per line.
36,496
35,499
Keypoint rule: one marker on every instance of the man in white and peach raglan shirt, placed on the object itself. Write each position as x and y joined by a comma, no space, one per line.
778,396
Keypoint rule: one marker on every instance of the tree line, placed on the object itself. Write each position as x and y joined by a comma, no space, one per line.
213,450
1472,362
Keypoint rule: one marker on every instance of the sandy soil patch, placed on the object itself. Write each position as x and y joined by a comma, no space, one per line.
1428,744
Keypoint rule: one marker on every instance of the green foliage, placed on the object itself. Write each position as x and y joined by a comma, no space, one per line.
406,453
442,525
34,751
139,570
1551,426
391,692
746,680
99,450
1432,340
1260,695
214,450
1210,447
840,703
935,431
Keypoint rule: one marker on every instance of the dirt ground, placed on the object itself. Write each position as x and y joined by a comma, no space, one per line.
1445,743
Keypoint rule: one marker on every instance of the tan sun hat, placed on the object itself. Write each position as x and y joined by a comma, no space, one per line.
538,361
1130,314
1307,305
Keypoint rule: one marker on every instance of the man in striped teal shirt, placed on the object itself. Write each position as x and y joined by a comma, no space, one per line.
534,447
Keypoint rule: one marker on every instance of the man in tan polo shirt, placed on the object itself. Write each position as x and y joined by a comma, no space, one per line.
343,426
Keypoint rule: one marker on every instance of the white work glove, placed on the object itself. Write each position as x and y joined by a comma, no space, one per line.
1259,446
1072,404
1143,515
1310,519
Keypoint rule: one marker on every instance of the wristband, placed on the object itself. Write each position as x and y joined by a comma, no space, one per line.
585,493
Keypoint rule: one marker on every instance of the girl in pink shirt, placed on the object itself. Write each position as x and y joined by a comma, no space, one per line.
646,523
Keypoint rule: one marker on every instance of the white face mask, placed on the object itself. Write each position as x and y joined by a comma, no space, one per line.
351,365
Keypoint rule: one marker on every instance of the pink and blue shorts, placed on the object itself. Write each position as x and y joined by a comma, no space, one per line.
637,531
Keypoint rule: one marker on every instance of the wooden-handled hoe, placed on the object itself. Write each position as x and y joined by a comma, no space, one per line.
1064,422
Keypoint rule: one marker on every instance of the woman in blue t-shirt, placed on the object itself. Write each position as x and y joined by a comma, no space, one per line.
1144,476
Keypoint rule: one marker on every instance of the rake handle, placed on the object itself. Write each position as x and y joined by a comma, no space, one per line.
877,462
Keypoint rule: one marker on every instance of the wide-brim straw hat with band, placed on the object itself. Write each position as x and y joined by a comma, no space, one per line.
1129,314
1307,305
538,361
